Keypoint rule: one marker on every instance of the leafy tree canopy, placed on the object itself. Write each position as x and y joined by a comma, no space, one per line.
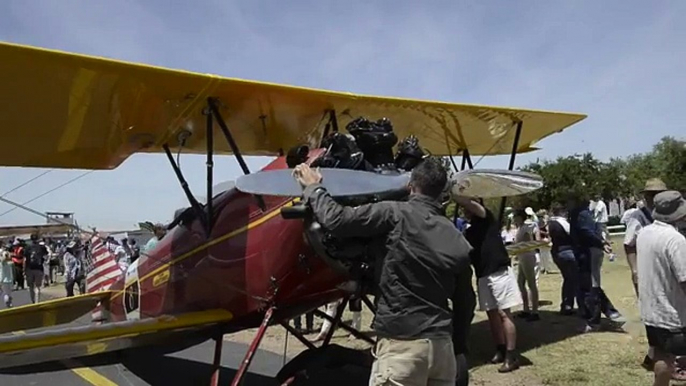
618,178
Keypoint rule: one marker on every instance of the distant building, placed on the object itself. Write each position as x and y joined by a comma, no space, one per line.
60,218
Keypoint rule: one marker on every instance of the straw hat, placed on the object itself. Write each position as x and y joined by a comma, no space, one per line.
654,185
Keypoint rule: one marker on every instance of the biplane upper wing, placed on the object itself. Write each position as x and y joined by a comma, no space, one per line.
50,344
75,111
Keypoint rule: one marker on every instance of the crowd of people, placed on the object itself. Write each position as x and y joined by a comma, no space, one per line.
35,263
429,263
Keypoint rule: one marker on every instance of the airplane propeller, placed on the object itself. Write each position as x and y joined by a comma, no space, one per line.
489,183
484,183
338,182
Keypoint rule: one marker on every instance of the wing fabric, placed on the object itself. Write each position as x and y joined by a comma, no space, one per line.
49,313
94,113
20,349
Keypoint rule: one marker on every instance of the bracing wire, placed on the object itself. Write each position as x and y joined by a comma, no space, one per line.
49,191
26,183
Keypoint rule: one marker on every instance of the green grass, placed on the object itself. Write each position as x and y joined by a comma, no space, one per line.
559,353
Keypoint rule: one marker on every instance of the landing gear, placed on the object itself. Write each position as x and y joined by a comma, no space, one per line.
216,363
253,347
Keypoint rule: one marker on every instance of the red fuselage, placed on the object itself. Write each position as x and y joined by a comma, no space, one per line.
253,259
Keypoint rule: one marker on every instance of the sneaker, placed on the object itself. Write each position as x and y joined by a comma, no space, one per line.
509,365
617,318
590,328
524,315
499,357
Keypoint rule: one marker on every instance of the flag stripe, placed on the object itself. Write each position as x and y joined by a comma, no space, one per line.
102,269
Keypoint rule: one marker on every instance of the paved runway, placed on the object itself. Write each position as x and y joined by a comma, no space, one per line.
188,367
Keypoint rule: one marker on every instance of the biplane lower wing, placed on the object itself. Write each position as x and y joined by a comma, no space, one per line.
25,348
50,313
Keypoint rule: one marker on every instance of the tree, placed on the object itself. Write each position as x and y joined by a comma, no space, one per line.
617,178
669,162
582,174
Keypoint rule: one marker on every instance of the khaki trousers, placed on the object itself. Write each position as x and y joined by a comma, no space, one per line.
418,362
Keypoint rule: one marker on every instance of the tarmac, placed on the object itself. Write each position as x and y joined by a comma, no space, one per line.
189,367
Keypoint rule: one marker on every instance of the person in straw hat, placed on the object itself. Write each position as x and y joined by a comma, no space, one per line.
635,221
639,219
662,282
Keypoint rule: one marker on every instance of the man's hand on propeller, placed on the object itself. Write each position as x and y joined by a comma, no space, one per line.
307,176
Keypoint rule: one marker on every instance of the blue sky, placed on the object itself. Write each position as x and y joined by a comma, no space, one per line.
620,62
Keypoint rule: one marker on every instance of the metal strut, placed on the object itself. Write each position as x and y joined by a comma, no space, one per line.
210,171
513,155
332,124
336,322
217,361
466,160
184,185
214,110
212,103
253,348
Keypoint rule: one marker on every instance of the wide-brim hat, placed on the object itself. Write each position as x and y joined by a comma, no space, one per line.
654,185
669,206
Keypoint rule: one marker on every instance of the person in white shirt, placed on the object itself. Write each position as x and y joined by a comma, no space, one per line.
600,215
638,219
661,251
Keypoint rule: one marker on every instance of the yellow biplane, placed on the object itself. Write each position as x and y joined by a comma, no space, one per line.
231,263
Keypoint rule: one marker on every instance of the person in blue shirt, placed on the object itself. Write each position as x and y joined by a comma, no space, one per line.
160,231
588,246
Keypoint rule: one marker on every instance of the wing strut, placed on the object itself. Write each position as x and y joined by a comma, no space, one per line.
466,160
197,208
212,104
331,125
513,155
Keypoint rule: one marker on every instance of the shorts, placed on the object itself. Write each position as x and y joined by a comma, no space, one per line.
667,341
499,291
34,277
428,362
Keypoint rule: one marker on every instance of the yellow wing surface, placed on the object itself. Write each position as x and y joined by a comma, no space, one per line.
74,111
49,313
64,342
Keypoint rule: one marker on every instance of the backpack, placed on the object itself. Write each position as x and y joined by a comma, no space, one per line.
35,256
79,270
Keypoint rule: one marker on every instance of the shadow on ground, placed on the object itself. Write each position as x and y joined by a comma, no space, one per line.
168,370
552,328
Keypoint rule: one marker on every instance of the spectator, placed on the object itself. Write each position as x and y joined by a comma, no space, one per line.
600,215
496,284
526,267
17,254
309,323
661,252
563,256
6,277
636,220
591,298
160,231
36,255
74,271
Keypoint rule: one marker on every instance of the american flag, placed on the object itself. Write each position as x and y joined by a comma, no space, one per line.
102,269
